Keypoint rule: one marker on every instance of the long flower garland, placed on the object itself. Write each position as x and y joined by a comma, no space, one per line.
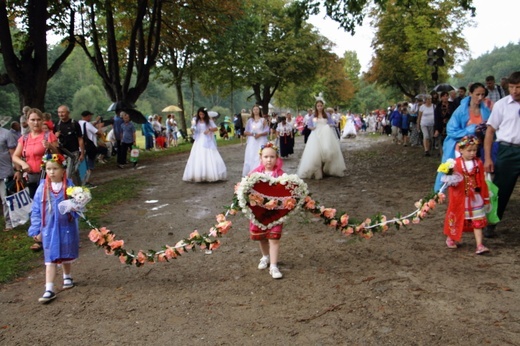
107,240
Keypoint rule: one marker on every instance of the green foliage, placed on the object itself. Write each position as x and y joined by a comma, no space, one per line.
263,51
89,98
370,97
404,35
500,62
350,13
9,105
352,67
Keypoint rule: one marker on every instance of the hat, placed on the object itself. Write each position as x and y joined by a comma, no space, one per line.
86,113
150,117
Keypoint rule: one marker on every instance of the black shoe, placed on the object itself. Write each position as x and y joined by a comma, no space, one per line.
489,231
426,153
47,297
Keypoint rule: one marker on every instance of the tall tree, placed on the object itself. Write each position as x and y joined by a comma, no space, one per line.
263,51
23,45
404,35
183,30
352,67
121,38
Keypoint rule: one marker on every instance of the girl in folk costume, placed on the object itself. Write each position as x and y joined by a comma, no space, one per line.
269,239
58,232
284,131
468,196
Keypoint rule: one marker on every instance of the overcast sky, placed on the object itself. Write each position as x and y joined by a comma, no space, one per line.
496,26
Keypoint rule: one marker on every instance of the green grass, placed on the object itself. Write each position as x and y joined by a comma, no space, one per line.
15,256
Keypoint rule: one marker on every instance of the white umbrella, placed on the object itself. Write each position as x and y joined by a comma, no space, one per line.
213,114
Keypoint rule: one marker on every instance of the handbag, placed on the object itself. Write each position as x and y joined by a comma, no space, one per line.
492,216
19,205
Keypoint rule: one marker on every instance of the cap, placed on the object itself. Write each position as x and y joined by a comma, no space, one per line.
86,113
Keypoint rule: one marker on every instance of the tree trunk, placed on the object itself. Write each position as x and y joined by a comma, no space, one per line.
29,72
180,102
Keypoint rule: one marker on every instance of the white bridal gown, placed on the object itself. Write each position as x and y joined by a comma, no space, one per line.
322,154
205,162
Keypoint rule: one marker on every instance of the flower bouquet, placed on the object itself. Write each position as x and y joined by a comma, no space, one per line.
449,178
78,198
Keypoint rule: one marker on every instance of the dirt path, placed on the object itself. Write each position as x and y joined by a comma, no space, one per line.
400,288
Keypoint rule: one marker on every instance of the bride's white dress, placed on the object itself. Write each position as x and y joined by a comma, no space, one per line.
205,162
322,154
350,128
251,156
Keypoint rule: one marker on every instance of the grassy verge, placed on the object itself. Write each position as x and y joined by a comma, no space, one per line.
15,256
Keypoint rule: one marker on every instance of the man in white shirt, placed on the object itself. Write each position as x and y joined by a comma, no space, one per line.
504,122
91,132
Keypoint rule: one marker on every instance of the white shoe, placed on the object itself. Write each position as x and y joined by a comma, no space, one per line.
275,273
264,262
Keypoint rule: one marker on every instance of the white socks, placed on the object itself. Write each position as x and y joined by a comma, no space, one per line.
49,286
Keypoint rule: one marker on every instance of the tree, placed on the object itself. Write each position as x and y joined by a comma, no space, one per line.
183,31
500,62
350,13
121,38
263,51
334,82
24,45
404,35
352,67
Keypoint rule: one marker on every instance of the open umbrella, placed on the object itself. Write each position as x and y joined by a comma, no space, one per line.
421,96
172,108
129,108
443,87
213,114
120,105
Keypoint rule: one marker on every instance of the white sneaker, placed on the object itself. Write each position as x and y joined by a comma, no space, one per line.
275,273
264,262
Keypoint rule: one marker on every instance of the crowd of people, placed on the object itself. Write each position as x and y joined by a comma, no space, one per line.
480,132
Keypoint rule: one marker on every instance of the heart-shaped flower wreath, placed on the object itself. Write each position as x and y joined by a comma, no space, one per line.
268,201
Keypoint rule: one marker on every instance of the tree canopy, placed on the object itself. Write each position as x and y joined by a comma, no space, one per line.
405,34
23,45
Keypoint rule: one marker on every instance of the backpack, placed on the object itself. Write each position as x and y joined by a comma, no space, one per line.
500,91
90,147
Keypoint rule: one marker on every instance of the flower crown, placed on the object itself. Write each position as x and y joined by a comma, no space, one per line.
268,145
56,158
468,140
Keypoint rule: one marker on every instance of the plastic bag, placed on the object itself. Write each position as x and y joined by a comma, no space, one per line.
20,206
492,216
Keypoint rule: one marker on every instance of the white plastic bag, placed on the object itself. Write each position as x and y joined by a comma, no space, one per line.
20,206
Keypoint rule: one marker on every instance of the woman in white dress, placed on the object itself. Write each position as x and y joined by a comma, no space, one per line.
350,127
256,132
205,162
322,154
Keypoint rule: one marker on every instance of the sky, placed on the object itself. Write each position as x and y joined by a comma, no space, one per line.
495,27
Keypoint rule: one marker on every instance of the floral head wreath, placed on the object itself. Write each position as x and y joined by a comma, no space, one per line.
468,140
56,158
268,145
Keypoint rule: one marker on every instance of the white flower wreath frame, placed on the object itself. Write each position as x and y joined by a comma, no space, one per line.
291,182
